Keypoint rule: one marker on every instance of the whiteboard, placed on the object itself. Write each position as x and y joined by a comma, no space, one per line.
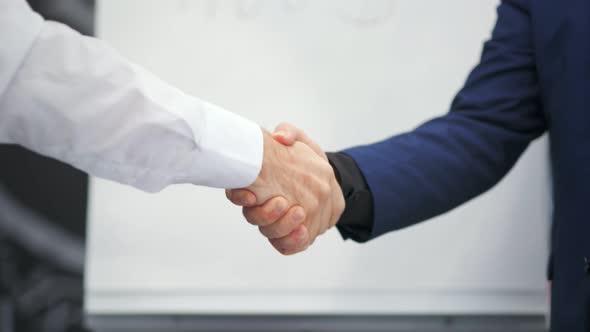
349,73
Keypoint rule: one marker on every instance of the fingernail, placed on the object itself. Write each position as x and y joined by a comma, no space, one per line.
280,133
298,215
280,207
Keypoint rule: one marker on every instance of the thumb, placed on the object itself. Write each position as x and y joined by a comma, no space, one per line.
241,197
288,134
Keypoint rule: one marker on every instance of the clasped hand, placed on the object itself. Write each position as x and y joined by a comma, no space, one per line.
296,196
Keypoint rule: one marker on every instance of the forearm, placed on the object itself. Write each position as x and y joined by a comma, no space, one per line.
433,169
453,158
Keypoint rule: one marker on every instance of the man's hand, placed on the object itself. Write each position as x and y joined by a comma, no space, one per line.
296,196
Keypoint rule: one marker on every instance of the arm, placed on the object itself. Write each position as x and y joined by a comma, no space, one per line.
451,159
75,99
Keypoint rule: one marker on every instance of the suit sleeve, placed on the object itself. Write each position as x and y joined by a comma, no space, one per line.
453,158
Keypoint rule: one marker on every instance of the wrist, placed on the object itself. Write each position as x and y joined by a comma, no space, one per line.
356,221
264,184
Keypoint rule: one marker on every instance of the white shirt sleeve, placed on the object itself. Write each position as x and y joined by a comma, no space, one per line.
76,99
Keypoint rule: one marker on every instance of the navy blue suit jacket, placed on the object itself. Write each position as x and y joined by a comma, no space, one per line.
534,76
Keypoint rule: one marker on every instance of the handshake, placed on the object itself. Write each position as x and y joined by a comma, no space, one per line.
296,196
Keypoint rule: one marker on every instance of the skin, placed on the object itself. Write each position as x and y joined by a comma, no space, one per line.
296,196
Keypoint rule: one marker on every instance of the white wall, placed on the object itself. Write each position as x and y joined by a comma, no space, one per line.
348,72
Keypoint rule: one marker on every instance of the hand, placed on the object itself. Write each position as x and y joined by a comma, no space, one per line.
296,196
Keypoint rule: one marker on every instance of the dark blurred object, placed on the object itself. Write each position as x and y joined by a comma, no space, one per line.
38,291
54,190
37,295
78,14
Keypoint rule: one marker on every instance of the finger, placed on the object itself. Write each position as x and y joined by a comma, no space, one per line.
241,197
288,134
267,213
293,243
285,225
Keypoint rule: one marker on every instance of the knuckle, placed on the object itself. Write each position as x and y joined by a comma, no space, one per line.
325,189
266,213
278,209
314,204
287,228
308,179
273,231
266,232
253,216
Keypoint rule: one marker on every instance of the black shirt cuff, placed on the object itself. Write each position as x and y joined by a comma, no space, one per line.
356,222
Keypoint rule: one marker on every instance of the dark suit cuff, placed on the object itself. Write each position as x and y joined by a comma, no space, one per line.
356,222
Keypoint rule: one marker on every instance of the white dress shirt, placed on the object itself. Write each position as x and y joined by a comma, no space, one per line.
75,99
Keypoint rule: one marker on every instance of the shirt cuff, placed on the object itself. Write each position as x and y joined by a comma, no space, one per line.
232,146
356,222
